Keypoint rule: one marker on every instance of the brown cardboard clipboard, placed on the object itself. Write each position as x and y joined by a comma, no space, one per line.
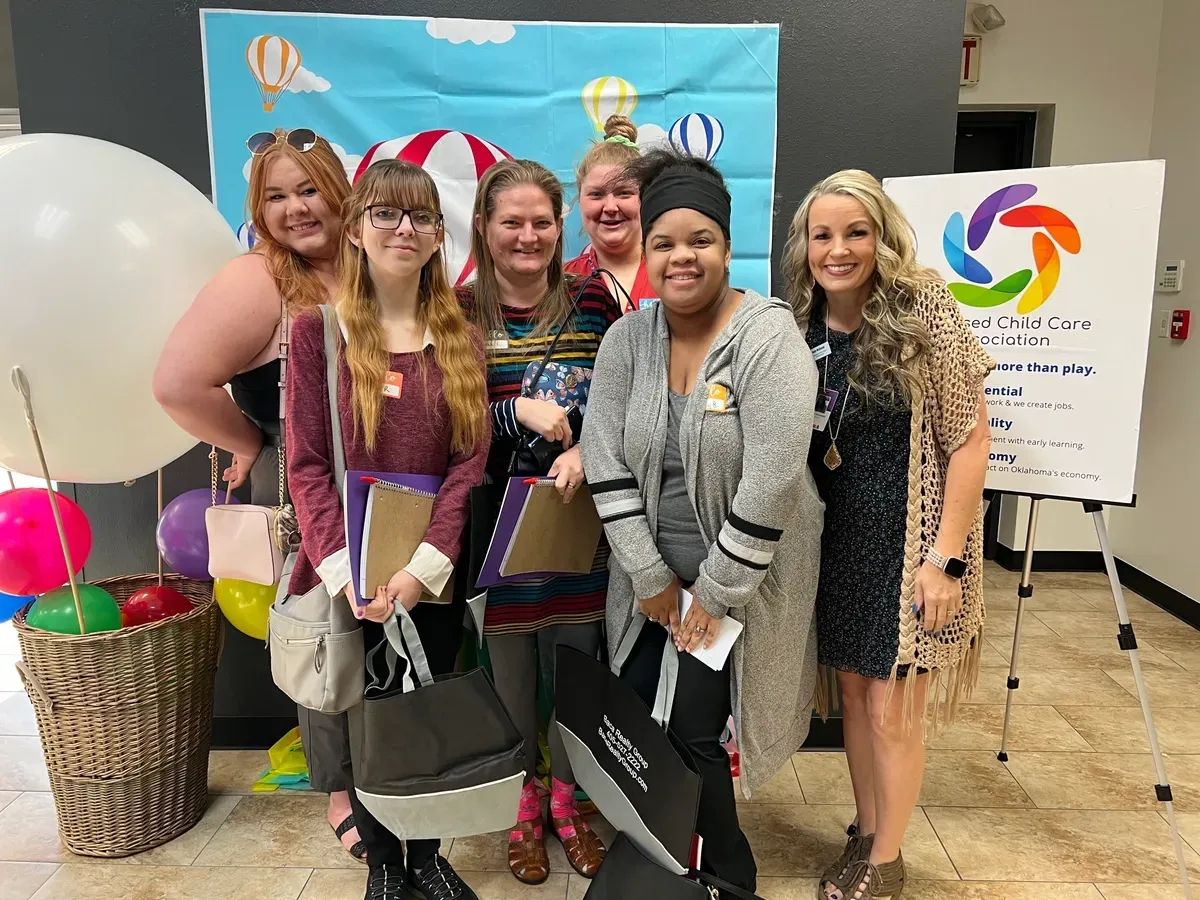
397,520
552,536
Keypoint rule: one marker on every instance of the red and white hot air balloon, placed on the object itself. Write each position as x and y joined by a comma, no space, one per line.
457,161
273,62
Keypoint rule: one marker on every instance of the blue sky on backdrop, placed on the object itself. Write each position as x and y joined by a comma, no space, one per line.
360,80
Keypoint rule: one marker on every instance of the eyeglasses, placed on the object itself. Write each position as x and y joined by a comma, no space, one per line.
302,139
389,218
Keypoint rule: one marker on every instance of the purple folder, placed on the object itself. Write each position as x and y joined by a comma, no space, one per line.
506,526
356,507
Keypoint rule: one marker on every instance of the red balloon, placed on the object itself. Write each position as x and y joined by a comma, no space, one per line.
153,603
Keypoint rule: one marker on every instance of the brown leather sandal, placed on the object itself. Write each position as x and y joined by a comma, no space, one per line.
858,847
585,851
527,858
871,882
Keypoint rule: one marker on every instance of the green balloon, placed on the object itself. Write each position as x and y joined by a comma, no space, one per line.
55,611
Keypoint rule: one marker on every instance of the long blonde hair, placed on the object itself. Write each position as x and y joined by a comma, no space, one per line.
485,310
294,275
406,186
890,344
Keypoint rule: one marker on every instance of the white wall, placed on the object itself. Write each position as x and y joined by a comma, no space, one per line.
1160,536
1097,62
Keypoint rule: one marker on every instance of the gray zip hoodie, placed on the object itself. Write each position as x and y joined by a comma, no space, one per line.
744,441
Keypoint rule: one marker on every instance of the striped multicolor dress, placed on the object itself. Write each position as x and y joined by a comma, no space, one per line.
566,599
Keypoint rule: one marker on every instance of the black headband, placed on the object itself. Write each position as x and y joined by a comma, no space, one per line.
683,188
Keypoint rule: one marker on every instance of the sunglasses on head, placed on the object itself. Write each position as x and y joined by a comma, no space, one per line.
302,139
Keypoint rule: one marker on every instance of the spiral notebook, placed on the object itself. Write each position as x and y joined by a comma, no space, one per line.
538,536
396,512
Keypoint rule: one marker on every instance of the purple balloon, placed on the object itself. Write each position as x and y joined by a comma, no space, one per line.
182,537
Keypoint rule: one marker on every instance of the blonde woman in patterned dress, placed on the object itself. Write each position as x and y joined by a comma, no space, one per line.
899,455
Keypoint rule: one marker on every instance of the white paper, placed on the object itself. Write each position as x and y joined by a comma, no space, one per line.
714,657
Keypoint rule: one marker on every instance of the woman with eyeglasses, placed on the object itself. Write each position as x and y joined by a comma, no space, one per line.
608,205
232,334
520,299
402,327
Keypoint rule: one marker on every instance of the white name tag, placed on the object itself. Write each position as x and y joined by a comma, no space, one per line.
820,420
821,351
497,342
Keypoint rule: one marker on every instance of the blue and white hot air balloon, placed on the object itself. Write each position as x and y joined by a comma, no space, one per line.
698,134
245,235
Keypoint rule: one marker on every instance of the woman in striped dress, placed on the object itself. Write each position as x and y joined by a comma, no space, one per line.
519,299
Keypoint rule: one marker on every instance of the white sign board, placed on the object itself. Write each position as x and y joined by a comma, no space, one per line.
1054,270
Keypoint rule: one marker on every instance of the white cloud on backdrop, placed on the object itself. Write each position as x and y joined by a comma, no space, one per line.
305,82
456,31
650,136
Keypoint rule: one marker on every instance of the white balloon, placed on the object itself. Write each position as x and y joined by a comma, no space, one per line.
102,250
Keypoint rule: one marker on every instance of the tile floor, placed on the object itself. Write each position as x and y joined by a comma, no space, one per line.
1071,815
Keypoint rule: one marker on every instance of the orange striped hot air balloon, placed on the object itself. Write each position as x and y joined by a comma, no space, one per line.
273,62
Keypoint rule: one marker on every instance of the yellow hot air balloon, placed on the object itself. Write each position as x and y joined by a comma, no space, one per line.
607,96
273,62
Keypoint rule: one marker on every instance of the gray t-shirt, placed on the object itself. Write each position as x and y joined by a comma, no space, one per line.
679,540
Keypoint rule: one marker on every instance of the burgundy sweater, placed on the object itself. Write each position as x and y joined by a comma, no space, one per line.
413,439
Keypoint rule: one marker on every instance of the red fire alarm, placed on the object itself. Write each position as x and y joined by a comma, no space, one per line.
1180,319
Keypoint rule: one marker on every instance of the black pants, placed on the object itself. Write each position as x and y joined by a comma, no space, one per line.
698,719
441,629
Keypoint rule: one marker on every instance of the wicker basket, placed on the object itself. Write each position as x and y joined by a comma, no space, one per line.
125,720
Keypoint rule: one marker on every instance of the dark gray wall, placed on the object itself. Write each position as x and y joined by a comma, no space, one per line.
861,83
8,68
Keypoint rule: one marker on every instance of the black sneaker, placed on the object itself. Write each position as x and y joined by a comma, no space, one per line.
438,881
386,883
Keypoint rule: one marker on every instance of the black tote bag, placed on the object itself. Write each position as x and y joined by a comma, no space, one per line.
639,776
627,874
433,757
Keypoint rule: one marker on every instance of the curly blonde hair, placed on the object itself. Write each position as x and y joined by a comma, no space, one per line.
890,345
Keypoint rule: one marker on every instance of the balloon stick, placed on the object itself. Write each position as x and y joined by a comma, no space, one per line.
160,512
12,482
21,383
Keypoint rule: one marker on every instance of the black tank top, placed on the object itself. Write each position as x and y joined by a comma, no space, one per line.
256,393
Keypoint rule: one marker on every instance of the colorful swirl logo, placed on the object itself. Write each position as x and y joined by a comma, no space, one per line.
978,289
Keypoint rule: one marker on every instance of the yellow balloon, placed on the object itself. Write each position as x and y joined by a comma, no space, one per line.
246,605
606,96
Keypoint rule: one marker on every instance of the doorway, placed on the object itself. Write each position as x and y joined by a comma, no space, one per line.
992,140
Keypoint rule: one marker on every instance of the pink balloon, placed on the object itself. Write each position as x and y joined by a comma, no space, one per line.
31,556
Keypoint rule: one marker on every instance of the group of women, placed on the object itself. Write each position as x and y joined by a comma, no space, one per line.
810,468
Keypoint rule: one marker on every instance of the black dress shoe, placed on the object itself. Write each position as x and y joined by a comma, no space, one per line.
438,881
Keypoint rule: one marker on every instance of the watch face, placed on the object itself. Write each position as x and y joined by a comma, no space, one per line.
955,568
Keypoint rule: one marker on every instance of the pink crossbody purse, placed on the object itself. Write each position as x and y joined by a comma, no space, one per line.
249,542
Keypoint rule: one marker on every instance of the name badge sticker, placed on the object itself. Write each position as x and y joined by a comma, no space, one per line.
821,351
393,384
497,340
718,398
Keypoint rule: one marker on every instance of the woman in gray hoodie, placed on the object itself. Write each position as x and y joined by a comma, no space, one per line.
694,449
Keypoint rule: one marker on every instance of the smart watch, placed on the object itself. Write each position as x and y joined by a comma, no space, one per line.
951,565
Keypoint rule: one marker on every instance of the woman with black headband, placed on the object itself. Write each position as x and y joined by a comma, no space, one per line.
694,449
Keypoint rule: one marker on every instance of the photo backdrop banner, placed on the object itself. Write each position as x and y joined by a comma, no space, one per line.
455,95
1053,268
